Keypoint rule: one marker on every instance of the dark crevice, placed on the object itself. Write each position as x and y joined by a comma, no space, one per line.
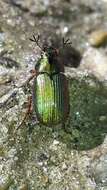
8,62
16,4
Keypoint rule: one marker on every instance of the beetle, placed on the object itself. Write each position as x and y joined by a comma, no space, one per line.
50,87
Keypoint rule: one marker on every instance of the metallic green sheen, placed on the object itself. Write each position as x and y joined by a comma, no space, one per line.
50,94
51,98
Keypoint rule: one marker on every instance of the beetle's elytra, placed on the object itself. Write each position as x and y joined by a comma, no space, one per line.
50,93
51,98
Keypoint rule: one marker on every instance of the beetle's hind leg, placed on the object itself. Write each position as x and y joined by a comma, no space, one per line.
28,112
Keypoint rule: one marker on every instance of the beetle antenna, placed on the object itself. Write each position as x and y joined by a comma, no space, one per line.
66,42
36,40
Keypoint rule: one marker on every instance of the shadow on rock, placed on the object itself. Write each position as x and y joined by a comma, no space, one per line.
87,123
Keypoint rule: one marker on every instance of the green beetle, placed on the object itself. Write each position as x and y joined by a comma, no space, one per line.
50,93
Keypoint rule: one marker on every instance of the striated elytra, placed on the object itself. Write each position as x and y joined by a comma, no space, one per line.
50,93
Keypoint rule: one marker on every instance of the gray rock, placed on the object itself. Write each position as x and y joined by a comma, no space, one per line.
36,157
95,62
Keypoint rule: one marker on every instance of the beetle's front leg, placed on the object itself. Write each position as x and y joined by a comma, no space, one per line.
33,74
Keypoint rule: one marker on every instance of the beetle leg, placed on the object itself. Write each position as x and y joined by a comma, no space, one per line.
33,74
29,111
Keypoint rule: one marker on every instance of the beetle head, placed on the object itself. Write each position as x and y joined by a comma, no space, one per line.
50,56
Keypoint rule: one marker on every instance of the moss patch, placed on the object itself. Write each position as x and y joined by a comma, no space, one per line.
88,113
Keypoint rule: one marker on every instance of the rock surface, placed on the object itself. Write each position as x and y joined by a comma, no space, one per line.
37,157
95,62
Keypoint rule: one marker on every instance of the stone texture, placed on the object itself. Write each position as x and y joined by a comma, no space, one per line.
36,157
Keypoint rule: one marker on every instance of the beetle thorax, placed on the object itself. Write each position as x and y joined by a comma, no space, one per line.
44,64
